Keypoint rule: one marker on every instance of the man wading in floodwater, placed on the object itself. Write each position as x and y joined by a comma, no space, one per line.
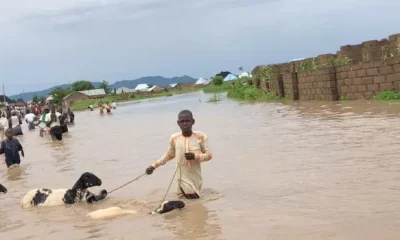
190,148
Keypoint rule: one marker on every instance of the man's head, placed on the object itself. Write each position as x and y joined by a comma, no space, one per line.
185,121
53,110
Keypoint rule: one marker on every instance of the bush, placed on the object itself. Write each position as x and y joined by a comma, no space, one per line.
241,90
217,80
388,95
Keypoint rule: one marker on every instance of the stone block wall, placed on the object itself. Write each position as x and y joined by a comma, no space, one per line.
367,79
290,85
375,68
351,51
318,85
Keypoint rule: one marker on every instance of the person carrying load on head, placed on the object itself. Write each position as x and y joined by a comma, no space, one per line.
190,149
30,119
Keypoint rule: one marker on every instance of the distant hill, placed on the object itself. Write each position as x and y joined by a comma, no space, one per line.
151,80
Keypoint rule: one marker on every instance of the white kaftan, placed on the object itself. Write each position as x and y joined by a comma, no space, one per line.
189,171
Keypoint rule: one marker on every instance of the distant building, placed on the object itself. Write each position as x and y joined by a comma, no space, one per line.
202,81
70,99
230,77
175,86
154,89
7,99
223,74
244,74
142,87
122,90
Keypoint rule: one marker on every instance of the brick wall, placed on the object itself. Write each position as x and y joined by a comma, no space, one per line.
318,85
364,80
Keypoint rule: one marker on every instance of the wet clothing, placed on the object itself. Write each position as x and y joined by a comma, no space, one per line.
30,118
3,127
189,171
71,117
15,123
11,150
55,128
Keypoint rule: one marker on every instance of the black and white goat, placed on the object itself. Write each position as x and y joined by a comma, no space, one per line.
3,189
54,197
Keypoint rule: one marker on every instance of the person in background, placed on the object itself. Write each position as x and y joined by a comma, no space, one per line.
71,116
3,125
53,121
63,121
101,108
14,123
11,148
114,105
30,119
42,122
190,149
91,107
108,107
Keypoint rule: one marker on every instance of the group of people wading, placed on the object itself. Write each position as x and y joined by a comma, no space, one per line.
49,122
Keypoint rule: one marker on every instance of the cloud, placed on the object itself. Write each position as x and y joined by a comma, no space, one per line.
53,42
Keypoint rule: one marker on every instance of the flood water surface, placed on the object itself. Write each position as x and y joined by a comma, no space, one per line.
279,171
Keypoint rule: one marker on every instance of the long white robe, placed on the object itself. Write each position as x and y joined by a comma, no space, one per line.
189,172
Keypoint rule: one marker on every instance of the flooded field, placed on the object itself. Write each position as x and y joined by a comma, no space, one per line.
316,170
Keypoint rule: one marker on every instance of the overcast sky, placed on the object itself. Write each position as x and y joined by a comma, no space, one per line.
49,42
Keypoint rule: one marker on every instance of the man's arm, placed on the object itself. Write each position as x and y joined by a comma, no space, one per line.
170,154
206,154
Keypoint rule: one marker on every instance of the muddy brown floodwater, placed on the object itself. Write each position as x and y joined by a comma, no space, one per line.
297,171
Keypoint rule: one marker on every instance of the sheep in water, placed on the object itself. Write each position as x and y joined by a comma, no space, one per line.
110,212
78,193
3,189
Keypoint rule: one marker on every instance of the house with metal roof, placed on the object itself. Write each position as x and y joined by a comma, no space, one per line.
142,87
70,99
124,90
94,93
202,81
230,77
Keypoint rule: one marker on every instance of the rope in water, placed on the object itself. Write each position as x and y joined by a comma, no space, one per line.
127,183
166,193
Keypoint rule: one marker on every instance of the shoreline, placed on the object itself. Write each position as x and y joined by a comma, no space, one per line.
144,98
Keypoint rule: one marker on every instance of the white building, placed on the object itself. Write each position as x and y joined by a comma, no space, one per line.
202,81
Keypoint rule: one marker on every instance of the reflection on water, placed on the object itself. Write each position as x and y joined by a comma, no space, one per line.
303,170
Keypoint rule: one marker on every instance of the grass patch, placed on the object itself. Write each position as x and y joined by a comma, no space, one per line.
388,95
343,98
211,88
241,90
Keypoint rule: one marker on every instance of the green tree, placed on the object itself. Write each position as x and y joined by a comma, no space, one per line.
82,85
42,99
104,85
35,99
59,93
217,80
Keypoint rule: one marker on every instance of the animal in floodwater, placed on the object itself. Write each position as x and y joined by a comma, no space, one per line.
3,189
168,206
78,193
111,212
